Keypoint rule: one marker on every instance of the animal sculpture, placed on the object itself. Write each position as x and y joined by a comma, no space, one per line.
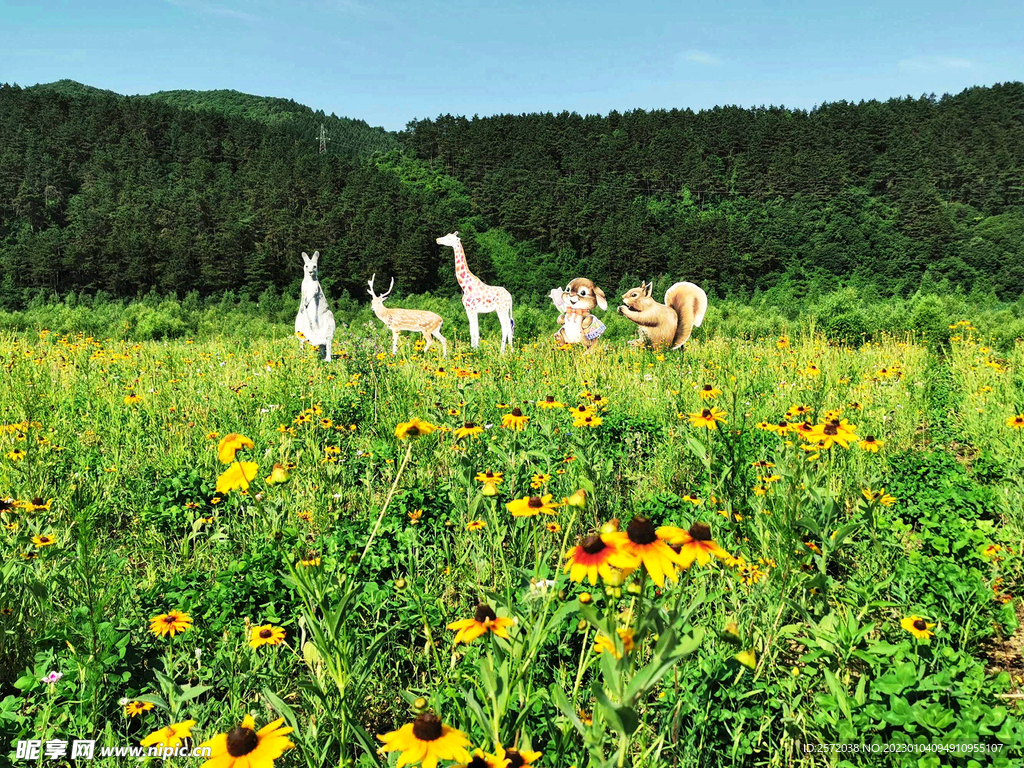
415,320
667,325
478,296
314,323
576,302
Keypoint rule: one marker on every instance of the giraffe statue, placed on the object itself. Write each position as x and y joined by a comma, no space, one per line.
478,296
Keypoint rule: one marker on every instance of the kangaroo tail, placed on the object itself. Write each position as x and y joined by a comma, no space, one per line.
690,304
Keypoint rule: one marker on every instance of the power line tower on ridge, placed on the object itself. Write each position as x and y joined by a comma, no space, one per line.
324,138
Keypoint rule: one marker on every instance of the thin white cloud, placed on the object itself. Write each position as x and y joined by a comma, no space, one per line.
700,57
215,10
934,63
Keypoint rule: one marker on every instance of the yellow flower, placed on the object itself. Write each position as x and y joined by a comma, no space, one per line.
834,431
595,555
489,477
413,428
604,644
747,658
469,429
266,634
918,627
512,758
238,475
709,392
641,541
16,455
43,541
694,544
475,525
783,342
171,736
539,480
871,444
881,497
484,620
230,445
245,747
531,506
425,741
589,420
132,399
708,418
549,402
1015,422
170,623
135,708
515,420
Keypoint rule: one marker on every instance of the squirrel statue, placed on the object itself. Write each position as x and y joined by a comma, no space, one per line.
667,325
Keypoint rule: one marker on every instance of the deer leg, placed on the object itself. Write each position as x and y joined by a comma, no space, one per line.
444,342
427,339
394,342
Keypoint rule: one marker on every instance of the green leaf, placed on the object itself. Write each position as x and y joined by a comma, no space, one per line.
281,708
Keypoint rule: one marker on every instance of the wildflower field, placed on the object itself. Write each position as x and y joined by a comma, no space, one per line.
734,555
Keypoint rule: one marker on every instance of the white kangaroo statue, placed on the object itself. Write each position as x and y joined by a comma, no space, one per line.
314,324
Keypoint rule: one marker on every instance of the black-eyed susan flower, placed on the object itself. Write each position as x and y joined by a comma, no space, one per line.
708,418
171,736
245,747
136,708
918,627
588,421
604,644
426,740
514,758
43,540
480,759
694,544
552,527
594,556
267,634
415,516
238,475
16,455
132,399
37,505
515,420
531,506
484,620
170,623
489,477
539,480
879,496
476,525
709,392
413,428
834,431
805,429
230,445
469,429
871,444
640,540
549,402
1016,422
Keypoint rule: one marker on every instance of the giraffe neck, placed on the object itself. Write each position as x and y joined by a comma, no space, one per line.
467,280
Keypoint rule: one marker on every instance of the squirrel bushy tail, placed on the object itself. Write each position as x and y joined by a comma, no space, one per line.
690,303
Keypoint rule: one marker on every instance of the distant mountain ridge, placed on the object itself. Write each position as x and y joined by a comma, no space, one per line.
347,135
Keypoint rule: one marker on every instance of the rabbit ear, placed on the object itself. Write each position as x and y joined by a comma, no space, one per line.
602,302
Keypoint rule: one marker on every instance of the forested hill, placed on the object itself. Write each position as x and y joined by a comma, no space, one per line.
214,191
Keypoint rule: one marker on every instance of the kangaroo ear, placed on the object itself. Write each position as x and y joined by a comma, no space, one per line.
316,256
305,257
602,302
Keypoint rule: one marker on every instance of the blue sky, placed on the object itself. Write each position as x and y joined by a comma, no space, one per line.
389,62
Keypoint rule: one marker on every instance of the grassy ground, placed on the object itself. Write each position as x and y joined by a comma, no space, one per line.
788,636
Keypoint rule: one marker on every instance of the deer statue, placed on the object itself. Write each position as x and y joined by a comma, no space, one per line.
416,320
314,324
478,296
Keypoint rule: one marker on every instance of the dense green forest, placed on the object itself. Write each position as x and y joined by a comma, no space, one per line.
213,191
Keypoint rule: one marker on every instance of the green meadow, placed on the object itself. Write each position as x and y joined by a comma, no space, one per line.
797,537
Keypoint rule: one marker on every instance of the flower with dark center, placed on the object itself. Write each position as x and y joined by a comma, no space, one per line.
515,758
694,544
593,557
266,634
413,428
243,745
484,620
169,623
515,420
918,627
708,418
531,506
642,541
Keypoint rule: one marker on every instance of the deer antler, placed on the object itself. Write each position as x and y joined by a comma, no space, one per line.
371,285
390,289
